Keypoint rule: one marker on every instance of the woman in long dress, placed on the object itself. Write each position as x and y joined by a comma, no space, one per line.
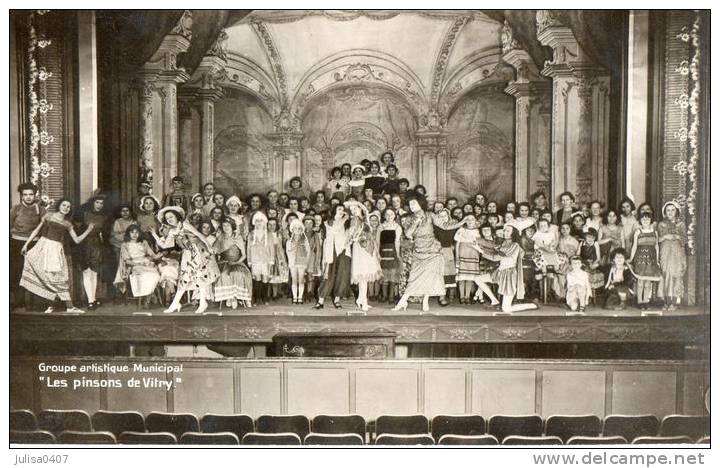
336,259
45,271
136,265
261,256
672,235
365,267
234,286
198,268
426,277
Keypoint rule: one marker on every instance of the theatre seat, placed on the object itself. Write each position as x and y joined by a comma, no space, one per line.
450,439
98,438
32,437
581,440
57,421
282,438
662,440
630,427
334,439
339,424
271,424
524,440
238,424
118,422
569,426
502,426
218,438
23,420
404,439
411,424
694,427
147,438
174,423
466,425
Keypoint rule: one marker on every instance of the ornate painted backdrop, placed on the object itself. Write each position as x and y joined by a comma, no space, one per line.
354,123
241,163
480,141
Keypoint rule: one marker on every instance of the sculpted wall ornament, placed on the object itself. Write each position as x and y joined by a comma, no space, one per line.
274,58
546,19
443,56
184,25
506,38
219,47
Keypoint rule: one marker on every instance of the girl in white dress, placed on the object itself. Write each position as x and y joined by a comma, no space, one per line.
365,267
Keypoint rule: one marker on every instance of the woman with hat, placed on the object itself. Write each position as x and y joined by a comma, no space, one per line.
198,268
197,205
357,183
234,208
337,185
672,235
365,267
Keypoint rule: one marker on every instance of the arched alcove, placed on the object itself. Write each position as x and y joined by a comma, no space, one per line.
241,149
356,122
480,145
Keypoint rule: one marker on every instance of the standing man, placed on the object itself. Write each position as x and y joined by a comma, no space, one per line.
177,196
208,192
24,218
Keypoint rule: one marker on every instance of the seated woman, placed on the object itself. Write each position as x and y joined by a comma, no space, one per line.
136,265
234,285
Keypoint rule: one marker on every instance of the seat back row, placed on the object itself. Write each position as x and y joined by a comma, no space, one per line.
500,427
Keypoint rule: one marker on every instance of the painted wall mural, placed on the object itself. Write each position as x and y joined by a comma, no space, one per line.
480,145
241,163
355,123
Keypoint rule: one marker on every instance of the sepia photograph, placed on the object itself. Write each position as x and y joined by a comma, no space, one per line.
373,228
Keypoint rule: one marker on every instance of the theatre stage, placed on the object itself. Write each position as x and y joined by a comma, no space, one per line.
452,324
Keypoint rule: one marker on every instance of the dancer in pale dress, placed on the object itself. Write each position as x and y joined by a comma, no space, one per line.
365,266
136,265
45,271
672,235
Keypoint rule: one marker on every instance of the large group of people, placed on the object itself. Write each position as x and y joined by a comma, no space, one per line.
367,235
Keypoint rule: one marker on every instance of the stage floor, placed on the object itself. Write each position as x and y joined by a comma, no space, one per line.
452,324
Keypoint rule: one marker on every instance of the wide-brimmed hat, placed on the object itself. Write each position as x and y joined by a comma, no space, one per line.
176,209
197,195
142,202
520,224
358,166
351,203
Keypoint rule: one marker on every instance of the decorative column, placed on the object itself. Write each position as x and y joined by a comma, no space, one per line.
580,114
287,160
185,146
533,98
431,146
163,75
203,91
145,99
